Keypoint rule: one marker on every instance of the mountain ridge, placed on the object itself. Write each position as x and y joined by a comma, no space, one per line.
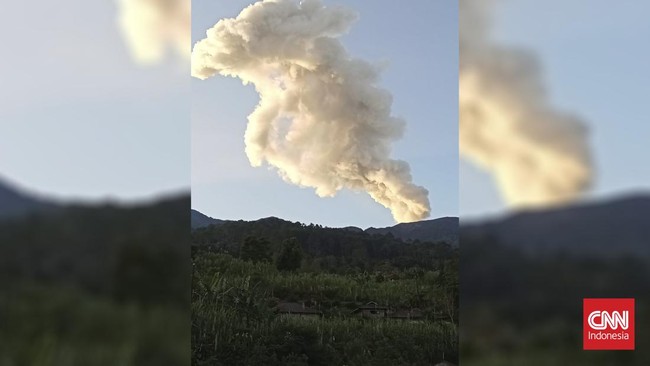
440,229
443,228
612,227
199,220
16,202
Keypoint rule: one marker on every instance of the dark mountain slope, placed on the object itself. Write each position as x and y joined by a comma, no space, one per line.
608,228
443,229
200,220
15,203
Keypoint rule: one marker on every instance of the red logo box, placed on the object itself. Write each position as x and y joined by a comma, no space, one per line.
608,324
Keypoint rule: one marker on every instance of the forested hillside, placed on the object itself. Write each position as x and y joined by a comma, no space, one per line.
328,249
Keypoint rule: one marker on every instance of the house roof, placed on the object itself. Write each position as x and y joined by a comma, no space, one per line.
370,306
295,308
373,306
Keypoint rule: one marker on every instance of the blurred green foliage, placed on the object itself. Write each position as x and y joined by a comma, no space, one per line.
96,285
45,325
525,308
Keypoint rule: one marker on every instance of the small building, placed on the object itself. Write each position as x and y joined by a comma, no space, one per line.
371,310
297,309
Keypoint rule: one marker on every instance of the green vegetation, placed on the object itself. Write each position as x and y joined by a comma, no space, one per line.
96,286
45,325
236,298
290,257
525,308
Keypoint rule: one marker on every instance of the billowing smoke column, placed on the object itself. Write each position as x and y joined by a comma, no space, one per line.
321,120
150,27
538,155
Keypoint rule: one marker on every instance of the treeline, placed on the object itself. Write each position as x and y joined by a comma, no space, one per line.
131,253
326,249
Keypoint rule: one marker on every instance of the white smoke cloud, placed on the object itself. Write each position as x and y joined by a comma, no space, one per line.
151,27
322,121
538,155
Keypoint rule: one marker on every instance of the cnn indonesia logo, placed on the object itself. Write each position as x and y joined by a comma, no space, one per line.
608,324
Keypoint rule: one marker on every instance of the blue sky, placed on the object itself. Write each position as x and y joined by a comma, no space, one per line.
78,118
419,46
595,57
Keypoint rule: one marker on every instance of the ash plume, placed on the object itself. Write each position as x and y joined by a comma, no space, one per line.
151,27
322,121
538,155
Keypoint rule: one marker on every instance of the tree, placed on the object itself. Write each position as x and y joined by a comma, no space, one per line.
255,249
290,255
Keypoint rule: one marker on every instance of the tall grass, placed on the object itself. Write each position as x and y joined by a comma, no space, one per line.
234,322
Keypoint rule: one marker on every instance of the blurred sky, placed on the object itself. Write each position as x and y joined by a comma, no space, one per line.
595,56
419,44
78,119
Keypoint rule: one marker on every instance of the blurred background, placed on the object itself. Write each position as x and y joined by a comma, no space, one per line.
94,183
554,188
95,169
